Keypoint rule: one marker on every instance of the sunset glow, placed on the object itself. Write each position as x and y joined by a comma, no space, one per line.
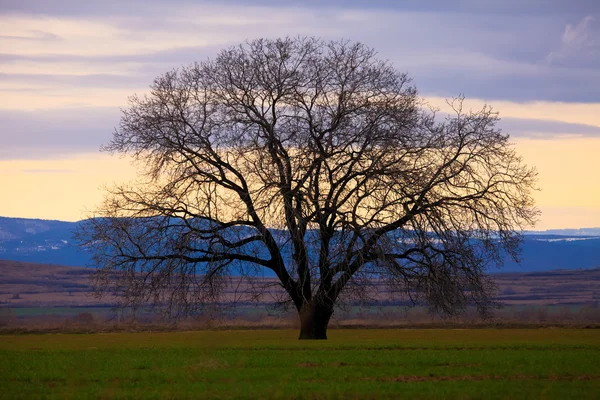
65,71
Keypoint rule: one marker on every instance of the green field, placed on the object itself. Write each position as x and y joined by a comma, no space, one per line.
432,363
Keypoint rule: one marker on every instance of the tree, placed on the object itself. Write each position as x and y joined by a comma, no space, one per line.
314,161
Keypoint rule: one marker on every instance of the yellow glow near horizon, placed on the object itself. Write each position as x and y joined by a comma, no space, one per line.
63,189
567,172
67,189
569,195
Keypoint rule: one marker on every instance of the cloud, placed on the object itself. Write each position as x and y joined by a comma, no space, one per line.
512,84
173,56
573,113
578,43
577,36
545,129
33,35
491,50
535,127
119,7
48,134
83,80
78,81
52,133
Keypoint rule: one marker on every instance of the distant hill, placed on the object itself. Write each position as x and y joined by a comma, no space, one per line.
551,252
40,241
568,232
51,242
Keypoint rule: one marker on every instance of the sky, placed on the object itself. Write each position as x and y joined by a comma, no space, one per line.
67,67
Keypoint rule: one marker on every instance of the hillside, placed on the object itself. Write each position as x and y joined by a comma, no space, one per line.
40,241
51,242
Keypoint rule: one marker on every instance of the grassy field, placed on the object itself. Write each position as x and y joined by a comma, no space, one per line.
478,363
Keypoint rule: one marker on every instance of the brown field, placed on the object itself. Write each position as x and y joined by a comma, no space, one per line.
549,288
47,297
30,285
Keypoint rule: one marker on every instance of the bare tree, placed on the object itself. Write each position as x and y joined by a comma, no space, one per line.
314,160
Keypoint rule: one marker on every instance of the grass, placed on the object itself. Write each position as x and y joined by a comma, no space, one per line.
371,364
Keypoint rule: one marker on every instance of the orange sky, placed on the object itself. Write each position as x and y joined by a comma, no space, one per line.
66,188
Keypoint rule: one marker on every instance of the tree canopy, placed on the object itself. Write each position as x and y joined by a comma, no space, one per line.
315,161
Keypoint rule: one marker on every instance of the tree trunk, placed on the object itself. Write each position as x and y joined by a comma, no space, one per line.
314,319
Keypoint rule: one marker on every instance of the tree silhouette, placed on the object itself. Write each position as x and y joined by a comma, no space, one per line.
316,162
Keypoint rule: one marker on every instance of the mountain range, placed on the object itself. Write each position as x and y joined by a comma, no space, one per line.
51,242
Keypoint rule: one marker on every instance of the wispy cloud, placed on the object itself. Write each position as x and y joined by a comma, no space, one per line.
578,41
545,129
48,134
54,133
32,35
